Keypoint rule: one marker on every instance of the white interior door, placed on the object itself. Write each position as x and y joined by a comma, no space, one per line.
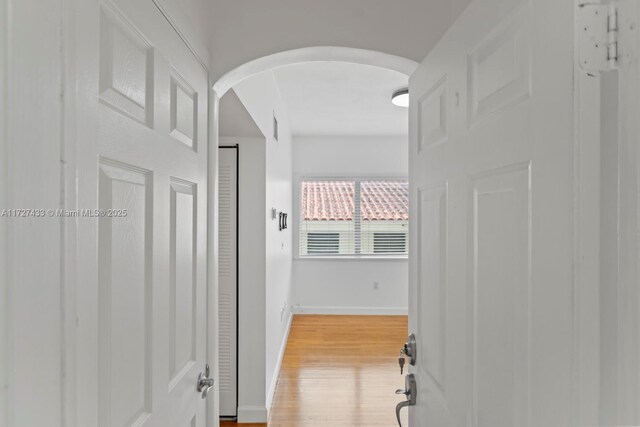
141,153
228,279
492,181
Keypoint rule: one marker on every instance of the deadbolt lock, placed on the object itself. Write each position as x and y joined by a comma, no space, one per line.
408,350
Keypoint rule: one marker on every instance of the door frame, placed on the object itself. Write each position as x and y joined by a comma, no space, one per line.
213,336
4,246
586,240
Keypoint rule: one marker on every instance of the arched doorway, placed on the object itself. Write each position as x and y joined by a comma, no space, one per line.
313,54
320,54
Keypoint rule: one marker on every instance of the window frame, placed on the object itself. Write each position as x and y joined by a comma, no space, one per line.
297,182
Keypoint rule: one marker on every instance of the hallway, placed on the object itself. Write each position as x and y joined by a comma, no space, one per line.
339,371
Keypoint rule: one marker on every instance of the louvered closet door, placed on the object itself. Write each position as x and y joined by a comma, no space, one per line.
142,151
228,279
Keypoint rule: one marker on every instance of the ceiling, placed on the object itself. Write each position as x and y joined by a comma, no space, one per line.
243,30
336,98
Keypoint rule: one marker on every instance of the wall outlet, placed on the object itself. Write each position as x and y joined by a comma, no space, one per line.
283,310
376,286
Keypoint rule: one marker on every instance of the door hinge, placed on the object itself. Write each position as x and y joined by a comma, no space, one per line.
598,36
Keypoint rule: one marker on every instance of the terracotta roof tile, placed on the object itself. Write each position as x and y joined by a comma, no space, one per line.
328,200
334,200
385,200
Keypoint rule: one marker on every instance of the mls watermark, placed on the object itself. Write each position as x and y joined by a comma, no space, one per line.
63,213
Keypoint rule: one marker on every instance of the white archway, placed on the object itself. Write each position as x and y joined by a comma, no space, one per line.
313,54
223,84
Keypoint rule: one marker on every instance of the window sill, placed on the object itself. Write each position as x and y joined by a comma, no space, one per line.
351,258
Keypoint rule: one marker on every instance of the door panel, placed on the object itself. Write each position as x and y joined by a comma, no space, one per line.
432,272
499,68
184,110
125,286
183,285
499,265
142,114
126,67
491,171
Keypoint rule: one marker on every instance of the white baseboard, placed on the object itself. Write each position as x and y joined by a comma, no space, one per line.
276,372
388,311
252,414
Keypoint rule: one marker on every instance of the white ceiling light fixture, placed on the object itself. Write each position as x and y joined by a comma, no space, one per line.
401,98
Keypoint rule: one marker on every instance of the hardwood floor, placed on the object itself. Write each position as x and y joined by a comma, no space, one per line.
339,371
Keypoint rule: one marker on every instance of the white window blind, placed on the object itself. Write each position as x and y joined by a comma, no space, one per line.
323,243
389,243
354,217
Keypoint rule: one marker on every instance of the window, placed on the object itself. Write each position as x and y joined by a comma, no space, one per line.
354,217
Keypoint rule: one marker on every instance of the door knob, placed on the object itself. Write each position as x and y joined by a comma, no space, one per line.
204,382
410,391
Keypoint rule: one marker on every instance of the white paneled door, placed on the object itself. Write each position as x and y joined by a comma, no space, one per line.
142,160
492,191
228,279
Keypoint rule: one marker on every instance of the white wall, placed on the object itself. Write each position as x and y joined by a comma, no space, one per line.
262,100
349,286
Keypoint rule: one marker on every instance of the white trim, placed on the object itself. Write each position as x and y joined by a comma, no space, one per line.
252,414
69,229
362,311
276,372
213,350
181,25
313,54
586,244
380,258
5,367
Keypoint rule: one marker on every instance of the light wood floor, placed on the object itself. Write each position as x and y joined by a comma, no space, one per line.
339,371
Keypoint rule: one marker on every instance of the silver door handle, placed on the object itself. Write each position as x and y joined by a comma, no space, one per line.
410,391
399,406
204,382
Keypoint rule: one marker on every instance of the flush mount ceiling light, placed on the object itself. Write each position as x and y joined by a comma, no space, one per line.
401,97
